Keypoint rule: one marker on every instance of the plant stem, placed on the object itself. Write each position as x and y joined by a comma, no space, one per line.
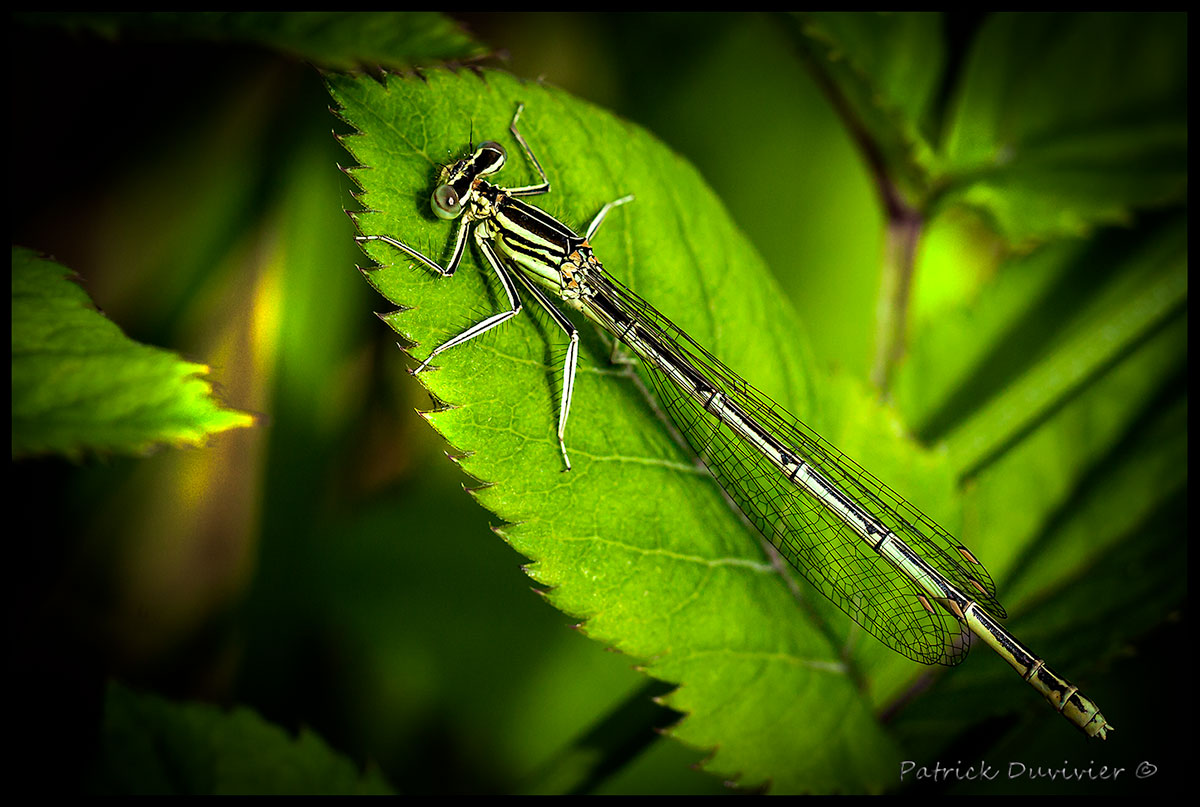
904,225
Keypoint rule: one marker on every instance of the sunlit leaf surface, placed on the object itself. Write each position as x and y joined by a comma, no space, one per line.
80,385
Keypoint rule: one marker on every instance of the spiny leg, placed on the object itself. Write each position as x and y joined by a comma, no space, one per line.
510,291
529,190
460,242
569,365
613,357
595,225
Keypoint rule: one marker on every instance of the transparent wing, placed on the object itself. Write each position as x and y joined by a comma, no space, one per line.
830,555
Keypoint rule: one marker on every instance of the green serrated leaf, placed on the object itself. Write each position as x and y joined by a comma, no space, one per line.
331,39
150,745
1067,121
636,540
80,385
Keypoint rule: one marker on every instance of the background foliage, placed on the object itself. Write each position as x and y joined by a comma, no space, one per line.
325,569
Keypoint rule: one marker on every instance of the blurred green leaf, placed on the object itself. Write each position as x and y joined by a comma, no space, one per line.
1149,289
1059,123
1073,450
673,576
886,69
1067,121
79,384
150,745
331,39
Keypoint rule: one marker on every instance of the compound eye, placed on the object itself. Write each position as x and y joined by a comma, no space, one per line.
446,203
498,160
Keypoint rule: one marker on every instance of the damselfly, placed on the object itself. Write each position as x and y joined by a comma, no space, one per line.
884,563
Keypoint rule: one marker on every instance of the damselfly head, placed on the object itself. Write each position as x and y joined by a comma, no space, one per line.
458,179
